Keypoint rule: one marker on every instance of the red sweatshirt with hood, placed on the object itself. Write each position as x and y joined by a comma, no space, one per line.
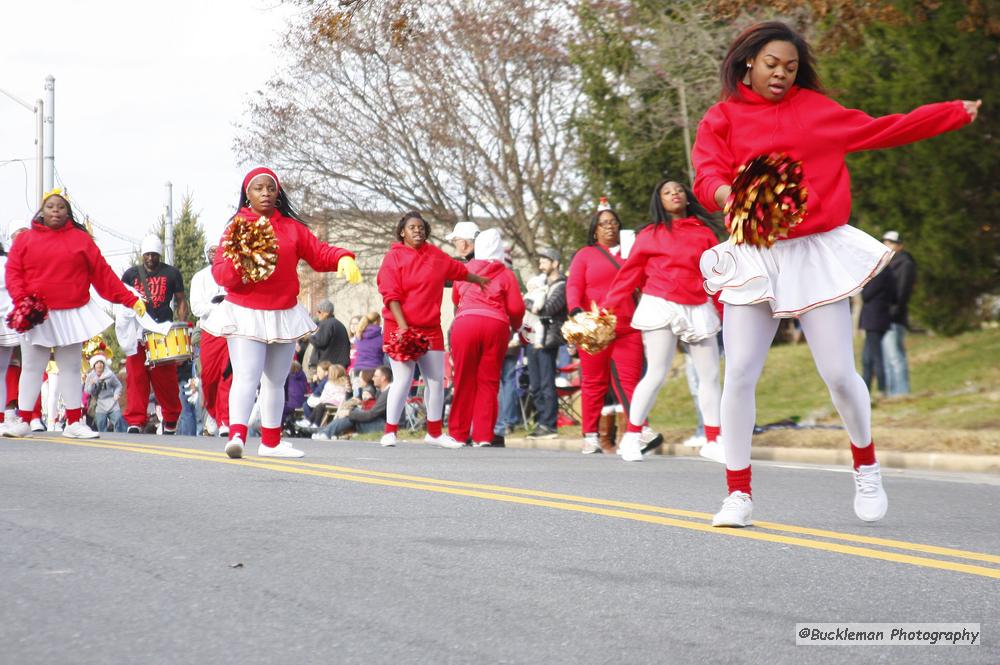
500,300
280,290
415,279
810,127
60,265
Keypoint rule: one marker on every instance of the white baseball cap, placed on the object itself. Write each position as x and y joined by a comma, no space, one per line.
891,236
466,230
151,245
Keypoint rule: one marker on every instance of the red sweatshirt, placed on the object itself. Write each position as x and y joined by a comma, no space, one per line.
281,289
500,300
668,262
415,279
60,265
810,127
590,276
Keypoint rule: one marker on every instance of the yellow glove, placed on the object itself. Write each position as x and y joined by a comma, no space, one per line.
139,307
348,269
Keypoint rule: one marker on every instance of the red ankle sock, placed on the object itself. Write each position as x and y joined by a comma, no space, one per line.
73,416
270,436
711,433
1,416
738,481
238,431
633,428
863,456
391,429
434,428
26,416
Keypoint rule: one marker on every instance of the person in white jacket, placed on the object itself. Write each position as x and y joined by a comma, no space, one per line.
216,373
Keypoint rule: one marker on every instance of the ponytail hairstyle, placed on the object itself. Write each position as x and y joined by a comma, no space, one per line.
749,43
281,203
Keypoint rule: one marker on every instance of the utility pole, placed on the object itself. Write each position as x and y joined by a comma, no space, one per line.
681,88
50,132
168,227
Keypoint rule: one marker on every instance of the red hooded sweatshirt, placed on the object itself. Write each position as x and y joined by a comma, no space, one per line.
281,289
415,279
667,259
500,300
591,273
60,265
811,127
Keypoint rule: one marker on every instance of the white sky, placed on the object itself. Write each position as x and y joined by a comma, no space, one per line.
146,92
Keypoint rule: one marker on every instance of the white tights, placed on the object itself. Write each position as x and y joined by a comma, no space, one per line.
33,362
258,363
748,332
432,369
660,345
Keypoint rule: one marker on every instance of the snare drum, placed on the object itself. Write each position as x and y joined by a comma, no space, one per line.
170,349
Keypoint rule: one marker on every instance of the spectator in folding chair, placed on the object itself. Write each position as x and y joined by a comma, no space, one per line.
484,319
362,420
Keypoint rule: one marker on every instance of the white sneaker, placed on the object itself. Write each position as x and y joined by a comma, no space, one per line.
737,509
590,444
36,425
631,447
303,423
713,451
224,430
695,441
388,440
16,428
79,430
211,427
870,501
320,436
283,449
482,444
650,440
443,441
234,447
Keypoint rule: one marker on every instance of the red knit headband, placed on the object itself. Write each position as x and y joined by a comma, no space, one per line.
260,170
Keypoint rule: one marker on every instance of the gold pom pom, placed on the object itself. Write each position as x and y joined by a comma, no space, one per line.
591,331
767,201
252,246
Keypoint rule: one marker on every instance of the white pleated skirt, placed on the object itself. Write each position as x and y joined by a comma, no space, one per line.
8,337
797,275
271,326
691,323
69,326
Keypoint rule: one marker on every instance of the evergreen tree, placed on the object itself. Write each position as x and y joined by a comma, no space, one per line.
940,194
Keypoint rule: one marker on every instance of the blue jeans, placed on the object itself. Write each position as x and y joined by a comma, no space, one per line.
340,426
509,413
542,377
102,418
897,370
187,424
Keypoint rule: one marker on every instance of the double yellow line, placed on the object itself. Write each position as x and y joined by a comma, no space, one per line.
773,532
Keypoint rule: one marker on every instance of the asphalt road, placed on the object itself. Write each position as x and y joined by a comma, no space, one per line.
154,550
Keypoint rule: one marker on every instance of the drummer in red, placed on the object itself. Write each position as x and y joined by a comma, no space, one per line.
158,284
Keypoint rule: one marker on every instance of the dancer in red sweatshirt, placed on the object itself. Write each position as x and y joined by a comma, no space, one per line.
411,281
261,320
57,260
664,264
773,103
483,322
619,366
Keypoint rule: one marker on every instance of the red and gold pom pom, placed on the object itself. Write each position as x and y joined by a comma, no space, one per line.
591,331
407,344
767,201
252,246
27,313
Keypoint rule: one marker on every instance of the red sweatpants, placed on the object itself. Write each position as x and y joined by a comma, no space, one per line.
165,386
478,345
619,365
13,378
214,359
